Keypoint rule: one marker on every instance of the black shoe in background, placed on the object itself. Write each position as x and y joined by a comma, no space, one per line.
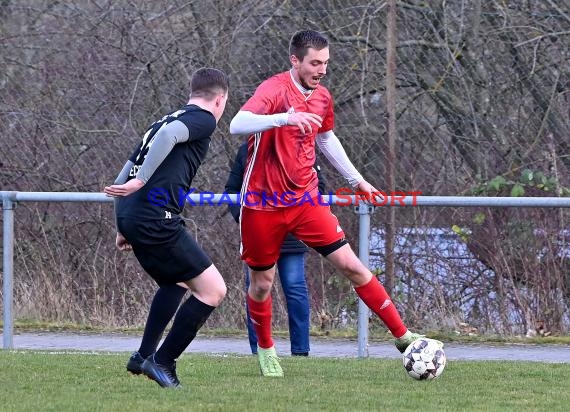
134,365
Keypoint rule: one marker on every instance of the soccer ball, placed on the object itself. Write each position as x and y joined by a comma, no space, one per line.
424,359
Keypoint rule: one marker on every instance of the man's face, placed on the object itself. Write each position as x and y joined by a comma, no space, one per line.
312,68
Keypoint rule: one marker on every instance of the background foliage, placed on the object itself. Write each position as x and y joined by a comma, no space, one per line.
483,109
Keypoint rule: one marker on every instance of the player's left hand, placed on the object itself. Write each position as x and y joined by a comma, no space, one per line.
122,243
125,189
372,194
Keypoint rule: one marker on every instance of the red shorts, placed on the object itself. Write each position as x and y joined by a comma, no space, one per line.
263,231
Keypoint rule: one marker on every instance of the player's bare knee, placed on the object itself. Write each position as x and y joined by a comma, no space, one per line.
260,288
219,295
209,286
354,271
359,278
218,291
261,281
213,296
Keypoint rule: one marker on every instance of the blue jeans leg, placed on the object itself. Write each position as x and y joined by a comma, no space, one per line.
291,267
250,330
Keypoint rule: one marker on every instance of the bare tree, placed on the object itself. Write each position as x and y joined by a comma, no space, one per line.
482,108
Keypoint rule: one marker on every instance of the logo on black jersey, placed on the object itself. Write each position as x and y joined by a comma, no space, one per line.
158,196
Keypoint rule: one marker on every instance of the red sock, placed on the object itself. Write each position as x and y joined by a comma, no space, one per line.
260,314
375,297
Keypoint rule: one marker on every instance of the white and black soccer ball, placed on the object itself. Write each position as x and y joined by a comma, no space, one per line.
424,359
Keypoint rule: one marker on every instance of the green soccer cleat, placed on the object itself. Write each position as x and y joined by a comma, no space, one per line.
269,362
403,342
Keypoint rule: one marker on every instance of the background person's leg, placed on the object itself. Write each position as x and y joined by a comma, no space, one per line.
250,329
291,267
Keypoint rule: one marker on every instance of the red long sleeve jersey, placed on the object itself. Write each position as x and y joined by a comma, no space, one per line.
280,160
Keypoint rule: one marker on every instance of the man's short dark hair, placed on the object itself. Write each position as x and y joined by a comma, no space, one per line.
303,40
207,83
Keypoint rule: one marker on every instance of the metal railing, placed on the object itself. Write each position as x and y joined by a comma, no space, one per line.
11,198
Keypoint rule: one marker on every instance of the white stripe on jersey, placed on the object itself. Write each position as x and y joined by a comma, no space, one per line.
165,120
246,176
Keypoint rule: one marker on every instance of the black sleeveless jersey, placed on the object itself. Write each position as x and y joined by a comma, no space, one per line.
165,192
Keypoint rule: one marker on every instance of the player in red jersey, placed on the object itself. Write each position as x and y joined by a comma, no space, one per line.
286,117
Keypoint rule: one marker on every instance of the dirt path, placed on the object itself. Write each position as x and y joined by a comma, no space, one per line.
319,347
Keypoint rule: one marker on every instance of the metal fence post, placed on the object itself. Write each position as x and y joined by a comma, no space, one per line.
364,211
8,262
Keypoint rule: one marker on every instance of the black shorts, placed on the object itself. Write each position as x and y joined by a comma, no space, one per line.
165,249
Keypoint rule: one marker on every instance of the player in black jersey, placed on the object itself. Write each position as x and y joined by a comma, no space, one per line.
150,195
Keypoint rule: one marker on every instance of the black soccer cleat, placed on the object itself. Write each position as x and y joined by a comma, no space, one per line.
164,375
134,365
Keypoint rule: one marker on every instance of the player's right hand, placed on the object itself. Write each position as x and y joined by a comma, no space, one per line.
372,196
304,121
125,189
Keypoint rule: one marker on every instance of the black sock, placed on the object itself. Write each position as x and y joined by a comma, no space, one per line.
163,307
189,319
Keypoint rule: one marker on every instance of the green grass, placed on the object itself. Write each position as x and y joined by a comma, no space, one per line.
58,381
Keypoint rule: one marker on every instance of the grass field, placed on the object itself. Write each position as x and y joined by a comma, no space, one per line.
58,381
